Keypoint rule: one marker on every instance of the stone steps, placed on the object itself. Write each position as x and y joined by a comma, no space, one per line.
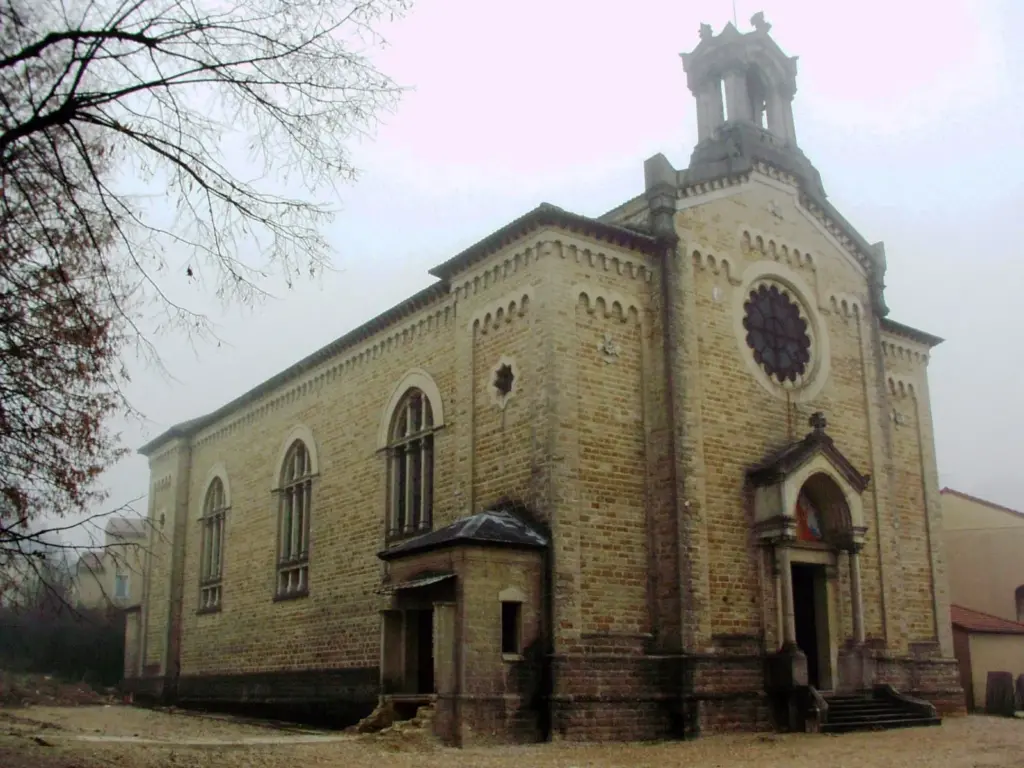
848,713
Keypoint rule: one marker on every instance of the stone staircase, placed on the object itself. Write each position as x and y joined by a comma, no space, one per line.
880,710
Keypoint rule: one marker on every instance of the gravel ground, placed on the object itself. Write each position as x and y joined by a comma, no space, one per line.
972,742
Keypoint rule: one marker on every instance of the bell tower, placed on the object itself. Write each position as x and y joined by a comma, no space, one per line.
744,85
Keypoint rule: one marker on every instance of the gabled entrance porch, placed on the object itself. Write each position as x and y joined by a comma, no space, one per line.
462,627
809,514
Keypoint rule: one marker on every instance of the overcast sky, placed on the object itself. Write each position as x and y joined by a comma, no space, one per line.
908,110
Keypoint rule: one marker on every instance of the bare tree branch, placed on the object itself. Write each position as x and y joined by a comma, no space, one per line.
183,96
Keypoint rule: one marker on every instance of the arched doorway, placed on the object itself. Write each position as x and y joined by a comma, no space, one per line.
822,518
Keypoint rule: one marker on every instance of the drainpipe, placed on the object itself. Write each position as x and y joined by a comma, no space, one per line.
660,181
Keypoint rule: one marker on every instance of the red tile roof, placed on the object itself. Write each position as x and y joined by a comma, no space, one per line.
976,621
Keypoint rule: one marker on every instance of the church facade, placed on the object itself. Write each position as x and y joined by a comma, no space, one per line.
644,475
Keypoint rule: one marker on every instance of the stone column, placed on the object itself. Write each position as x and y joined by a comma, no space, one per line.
856,597
776,115
710,109
787,124
737,99
788,614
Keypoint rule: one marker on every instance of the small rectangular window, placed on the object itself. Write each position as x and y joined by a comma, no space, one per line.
511,628
121,586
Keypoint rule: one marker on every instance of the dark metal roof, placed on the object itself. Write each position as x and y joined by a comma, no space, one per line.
891,326
780,464
425,579
502,527
381,321
543,215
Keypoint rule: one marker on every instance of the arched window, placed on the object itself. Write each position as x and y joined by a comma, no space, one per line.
296,496
211,551
411,465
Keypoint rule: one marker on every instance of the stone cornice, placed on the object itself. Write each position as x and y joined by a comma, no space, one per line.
298,375
545,215
926,340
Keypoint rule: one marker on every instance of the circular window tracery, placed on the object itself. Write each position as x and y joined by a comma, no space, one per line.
777,333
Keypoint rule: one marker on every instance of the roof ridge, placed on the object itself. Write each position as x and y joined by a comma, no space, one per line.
986,614
986,502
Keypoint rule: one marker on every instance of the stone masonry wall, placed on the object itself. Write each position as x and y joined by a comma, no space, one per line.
614,535
336,625
741,422
483,453
924,562
165,485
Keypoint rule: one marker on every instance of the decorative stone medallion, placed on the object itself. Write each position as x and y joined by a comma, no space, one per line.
503,381
609,349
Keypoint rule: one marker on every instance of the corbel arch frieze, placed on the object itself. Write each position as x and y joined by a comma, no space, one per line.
717,264
900,387
845,305
612,303
754,241
494,314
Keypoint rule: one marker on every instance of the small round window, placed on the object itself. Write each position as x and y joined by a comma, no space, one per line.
777,333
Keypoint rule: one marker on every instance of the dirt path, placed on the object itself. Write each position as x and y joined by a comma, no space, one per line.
91,737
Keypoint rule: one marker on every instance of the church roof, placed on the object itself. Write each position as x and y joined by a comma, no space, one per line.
907,332
783,462
504,526
544,215
984,623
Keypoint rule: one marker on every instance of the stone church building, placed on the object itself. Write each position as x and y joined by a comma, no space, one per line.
665,471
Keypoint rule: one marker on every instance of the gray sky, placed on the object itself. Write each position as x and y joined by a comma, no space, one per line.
908,110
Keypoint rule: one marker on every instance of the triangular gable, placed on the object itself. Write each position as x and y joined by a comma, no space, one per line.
778,466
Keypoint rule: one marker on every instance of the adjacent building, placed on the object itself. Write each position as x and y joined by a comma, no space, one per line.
630,476
111,578
985,546
112,575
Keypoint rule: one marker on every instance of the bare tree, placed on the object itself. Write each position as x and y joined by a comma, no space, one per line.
98,96
171,84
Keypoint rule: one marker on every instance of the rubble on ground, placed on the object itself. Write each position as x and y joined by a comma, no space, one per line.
24,690
414,734
381,717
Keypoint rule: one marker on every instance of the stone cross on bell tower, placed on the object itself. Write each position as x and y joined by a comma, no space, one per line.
741,77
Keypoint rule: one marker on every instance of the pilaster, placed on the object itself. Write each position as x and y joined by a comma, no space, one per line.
933,517
558,457
885,522
465,408
178,544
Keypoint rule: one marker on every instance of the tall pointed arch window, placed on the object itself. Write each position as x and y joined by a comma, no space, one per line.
411,466
296,496
211,558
